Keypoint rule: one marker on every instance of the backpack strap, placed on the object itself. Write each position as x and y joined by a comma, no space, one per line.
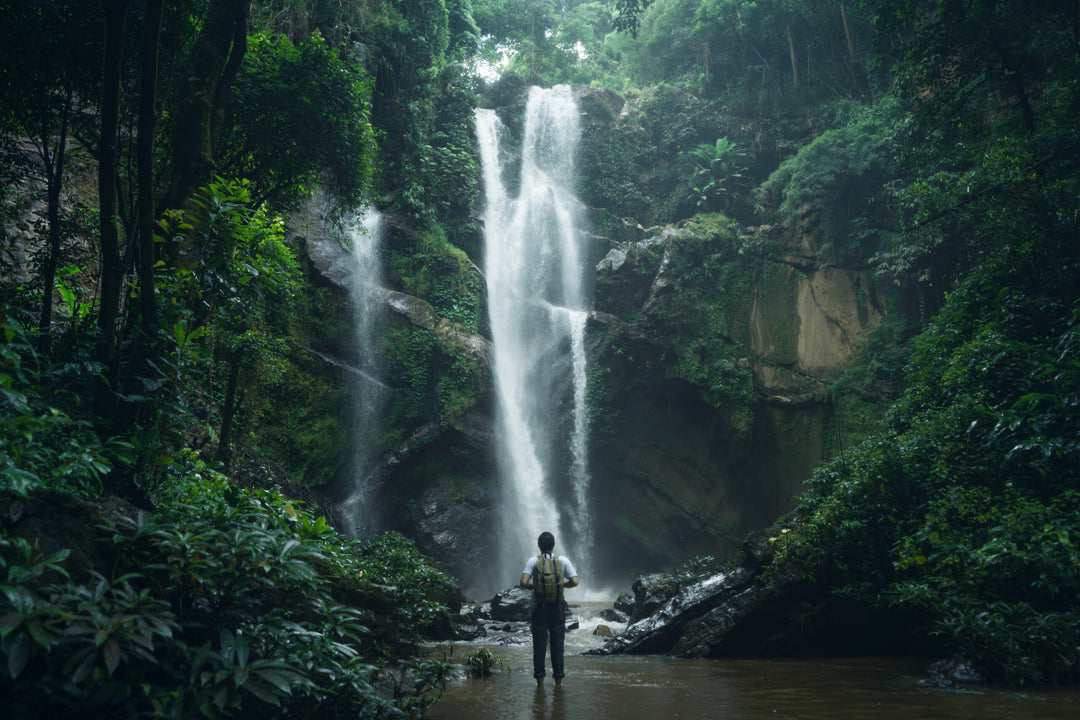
558,575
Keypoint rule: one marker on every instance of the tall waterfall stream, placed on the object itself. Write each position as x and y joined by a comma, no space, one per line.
538,301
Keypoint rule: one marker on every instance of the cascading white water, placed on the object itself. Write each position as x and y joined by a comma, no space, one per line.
537,300
364,234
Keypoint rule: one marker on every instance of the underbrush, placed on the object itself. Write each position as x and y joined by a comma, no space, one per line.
221,602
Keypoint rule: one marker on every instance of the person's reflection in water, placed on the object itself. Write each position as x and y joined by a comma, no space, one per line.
549,708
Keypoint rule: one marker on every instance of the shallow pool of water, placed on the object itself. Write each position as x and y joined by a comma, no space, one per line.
658,687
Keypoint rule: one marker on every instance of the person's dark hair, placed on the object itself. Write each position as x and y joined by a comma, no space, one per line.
546,542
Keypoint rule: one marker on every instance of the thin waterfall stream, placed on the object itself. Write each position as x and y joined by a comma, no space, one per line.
538,300
363,232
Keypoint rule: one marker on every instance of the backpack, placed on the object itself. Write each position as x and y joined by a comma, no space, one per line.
548,586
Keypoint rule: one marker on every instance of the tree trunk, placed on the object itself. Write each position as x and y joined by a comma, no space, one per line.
112,270
145,160
54,178
794,56
205,88
228,412
847,33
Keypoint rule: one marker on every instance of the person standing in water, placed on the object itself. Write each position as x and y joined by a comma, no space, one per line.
547,576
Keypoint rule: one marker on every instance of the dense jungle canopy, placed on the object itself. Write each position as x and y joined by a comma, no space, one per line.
171,435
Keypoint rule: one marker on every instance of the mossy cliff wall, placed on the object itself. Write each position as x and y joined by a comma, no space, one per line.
714,383
715,350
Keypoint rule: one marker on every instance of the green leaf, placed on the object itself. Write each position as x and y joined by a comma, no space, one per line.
263,691
18,655
10,622
112,654
41,637
84,668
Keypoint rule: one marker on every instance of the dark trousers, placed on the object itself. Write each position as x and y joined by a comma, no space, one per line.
548,620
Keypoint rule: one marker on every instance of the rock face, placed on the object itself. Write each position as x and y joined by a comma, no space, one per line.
711,347
432,480
712,370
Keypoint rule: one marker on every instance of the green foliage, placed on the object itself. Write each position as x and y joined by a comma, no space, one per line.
840,181
718,174
761,57
410,358
483,663
436,271
879,366
701,318
420,587
438,378
628,14
43,440
966,510
615,162
236,273
1010,49
217,608
301,116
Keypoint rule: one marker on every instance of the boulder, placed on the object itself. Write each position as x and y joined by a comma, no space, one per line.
650,592
512,604
624,604
951,672
745,611
614,615
661,630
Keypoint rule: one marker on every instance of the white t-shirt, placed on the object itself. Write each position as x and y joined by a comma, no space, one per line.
568,570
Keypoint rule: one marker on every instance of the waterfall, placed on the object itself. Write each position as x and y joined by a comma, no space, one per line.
363,234
538,302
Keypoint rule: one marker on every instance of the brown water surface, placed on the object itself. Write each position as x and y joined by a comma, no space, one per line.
657,687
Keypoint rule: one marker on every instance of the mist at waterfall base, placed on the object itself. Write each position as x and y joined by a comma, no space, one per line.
363,234
536,258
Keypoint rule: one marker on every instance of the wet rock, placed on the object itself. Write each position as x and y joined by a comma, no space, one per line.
744,612
603,631
624,604
512,604
599,106
650,592
952,672
469,631
662,630
614,615
572,623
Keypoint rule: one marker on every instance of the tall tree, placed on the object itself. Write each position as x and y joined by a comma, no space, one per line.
200,110
964,59
112,270
147,128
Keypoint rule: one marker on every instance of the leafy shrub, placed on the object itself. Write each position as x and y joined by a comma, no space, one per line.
838,179
222,606
483,663
42,444
966,511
